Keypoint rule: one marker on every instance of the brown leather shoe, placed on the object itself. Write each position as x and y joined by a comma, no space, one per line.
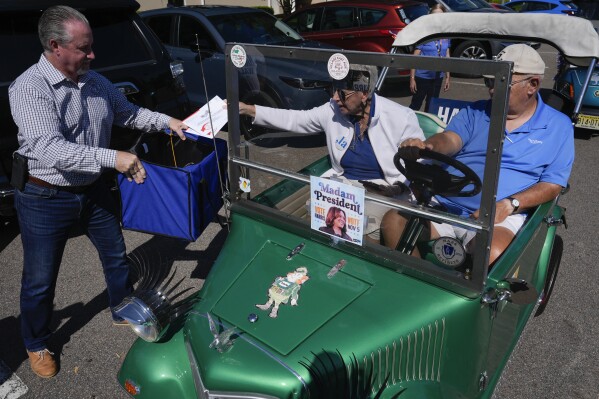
42,363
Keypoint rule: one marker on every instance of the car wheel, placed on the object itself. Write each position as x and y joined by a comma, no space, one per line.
471,49
248,129
552,269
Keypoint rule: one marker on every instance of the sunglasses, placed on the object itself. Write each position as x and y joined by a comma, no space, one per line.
342,94
490,82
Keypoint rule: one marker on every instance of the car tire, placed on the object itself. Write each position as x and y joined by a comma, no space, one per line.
552,269
248,129
470,49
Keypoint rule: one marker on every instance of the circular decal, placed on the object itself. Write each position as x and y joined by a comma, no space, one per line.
338,66
449,251
238,56
596,93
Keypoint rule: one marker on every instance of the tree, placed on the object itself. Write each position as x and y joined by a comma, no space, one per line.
288,6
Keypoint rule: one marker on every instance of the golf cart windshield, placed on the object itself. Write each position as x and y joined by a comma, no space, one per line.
285,178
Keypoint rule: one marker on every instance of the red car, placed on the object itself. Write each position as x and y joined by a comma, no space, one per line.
356,24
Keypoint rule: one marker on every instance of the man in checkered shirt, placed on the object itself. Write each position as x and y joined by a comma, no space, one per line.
65,114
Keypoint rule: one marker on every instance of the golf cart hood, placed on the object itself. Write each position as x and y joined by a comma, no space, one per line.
327,298
256,286
548,28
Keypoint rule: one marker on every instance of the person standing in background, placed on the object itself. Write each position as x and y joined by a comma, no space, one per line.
426,84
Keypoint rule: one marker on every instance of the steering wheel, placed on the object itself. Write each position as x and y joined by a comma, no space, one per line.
431,179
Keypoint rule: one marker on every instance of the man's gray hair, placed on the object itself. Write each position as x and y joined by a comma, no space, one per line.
52,25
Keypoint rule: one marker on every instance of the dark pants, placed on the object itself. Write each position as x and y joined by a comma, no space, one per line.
46,216
425,88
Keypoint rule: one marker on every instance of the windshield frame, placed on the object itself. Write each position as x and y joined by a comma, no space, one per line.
392,259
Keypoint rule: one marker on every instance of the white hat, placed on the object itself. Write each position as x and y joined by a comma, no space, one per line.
526,59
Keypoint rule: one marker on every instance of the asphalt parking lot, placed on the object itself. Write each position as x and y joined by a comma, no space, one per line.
556,358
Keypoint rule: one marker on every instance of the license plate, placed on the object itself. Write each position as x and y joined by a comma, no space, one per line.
588,122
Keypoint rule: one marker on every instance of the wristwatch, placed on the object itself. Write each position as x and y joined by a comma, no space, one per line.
515,203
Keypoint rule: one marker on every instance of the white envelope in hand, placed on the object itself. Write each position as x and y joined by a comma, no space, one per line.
208,120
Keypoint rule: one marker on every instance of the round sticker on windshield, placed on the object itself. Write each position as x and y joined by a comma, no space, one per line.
238,56
338,66
449,251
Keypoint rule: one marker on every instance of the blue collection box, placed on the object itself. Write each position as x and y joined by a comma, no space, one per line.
182,193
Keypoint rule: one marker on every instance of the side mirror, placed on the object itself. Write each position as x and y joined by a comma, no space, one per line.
521,292
203,55
202,47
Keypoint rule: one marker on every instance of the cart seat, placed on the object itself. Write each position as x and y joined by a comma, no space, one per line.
429,123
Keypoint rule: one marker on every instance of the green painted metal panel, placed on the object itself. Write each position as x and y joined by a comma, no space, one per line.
265,281
158,370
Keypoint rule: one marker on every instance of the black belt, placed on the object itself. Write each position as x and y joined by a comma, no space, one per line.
68,189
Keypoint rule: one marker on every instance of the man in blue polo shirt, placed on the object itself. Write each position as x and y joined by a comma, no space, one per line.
538,153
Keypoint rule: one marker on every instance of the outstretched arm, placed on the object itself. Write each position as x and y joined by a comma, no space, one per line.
247,109
447,142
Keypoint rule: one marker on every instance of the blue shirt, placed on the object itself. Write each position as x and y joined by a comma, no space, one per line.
436,48
359,161
541,150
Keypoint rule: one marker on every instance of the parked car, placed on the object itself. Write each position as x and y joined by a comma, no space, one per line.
196,35
127,53
479,48
566,7
356,24
500,7
288,311
468,48
569,83
463,6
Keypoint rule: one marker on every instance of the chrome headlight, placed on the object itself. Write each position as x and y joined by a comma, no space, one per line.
141,318
150,309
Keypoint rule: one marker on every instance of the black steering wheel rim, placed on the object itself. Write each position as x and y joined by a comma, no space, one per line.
437,180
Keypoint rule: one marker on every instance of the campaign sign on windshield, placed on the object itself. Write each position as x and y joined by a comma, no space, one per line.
337,209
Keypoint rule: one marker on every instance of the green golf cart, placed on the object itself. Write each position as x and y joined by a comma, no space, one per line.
289,311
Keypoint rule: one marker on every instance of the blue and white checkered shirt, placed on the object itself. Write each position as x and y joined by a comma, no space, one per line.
65,127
